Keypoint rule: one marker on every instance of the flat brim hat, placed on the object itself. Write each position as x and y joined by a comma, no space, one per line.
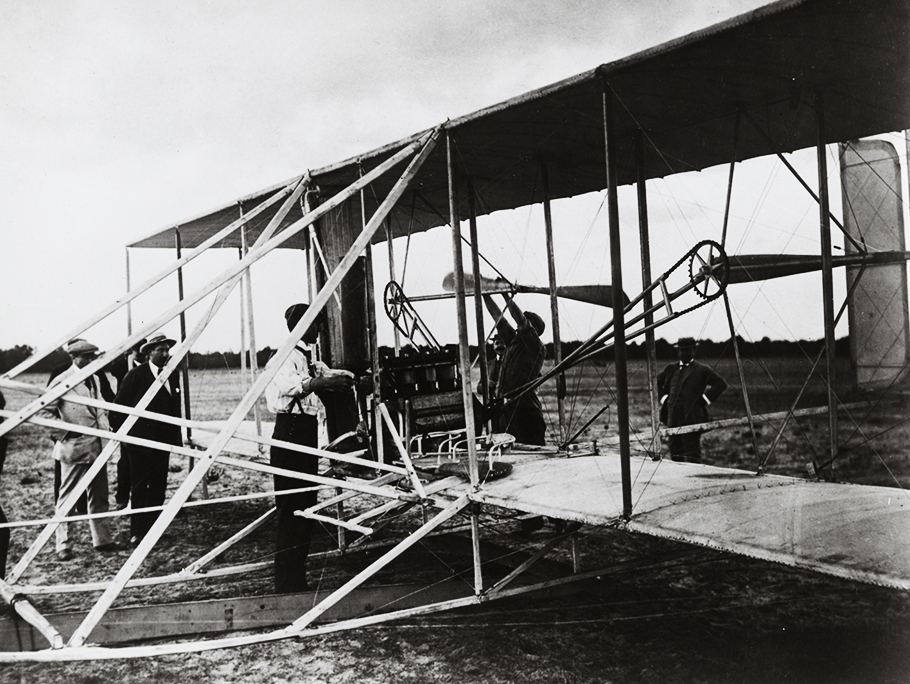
686,343
154,341
80,347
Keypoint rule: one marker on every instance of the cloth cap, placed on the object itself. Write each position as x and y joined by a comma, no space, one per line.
77,347
294,313
154,341
686,343
536,322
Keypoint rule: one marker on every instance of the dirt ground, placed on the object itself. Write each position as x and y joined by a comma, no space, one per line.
677,614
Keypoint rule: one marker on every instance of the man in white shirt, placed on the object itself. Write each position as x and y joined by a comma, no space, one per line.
292,396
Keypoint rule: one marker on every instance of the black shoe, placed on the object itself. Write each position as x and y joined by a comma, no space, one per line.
109,547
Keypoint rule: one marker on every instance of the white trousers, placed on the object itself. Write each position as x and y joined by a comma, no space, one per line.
70,474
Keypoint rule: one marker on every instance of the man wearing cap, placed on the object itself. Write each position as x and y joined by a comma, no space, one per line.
149,466
76,451
291,395
104,387
686,390
521,363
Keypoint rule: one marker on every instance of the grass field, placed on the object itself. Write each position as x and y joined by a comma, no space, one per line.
704,617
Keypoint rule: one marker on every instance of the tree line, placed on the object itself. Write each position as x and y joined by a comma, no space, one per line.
10,358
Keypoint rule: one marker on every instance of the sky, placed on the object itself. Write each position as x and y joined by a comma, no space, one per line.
121,118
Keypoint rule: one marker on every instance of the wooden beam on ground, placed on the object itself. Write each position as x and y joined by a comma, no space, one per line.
200,618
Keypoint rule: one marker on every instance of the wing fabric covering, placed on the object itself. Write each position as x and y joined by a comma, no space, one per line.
878,311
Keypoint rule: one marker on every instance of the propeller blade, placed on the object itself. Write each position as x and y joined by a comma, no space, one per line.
747,268
601,295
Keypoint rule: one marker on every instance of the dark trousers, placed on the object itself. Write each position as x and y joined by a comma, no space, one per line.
5,531
524,422
292,543
148,484
685,447
122,493
4,543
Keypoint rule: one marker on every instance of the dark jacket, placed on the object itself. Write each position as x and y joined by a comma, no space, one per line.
134,386
685,403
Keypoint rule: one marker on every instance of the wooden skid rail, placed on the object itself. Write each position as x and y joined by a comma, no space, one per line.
198,618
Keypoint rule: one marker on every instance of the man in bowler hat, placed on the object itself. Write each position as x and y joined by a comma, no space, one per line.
149,465
686,389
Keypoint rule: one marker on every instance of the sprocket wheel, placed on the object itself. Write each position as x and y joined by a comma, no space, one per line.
708,269
394,299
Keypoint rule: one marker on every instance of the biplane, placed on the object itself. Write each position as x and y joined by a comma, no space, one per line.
792,75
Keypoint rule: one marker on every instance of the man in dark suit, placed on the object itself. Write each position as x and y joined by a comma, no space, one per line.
686,389
149,466
119,367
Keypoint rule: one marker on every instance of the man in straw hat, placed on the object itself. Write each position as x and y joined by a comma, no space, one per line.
291,395
76,451
686,389
149,465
